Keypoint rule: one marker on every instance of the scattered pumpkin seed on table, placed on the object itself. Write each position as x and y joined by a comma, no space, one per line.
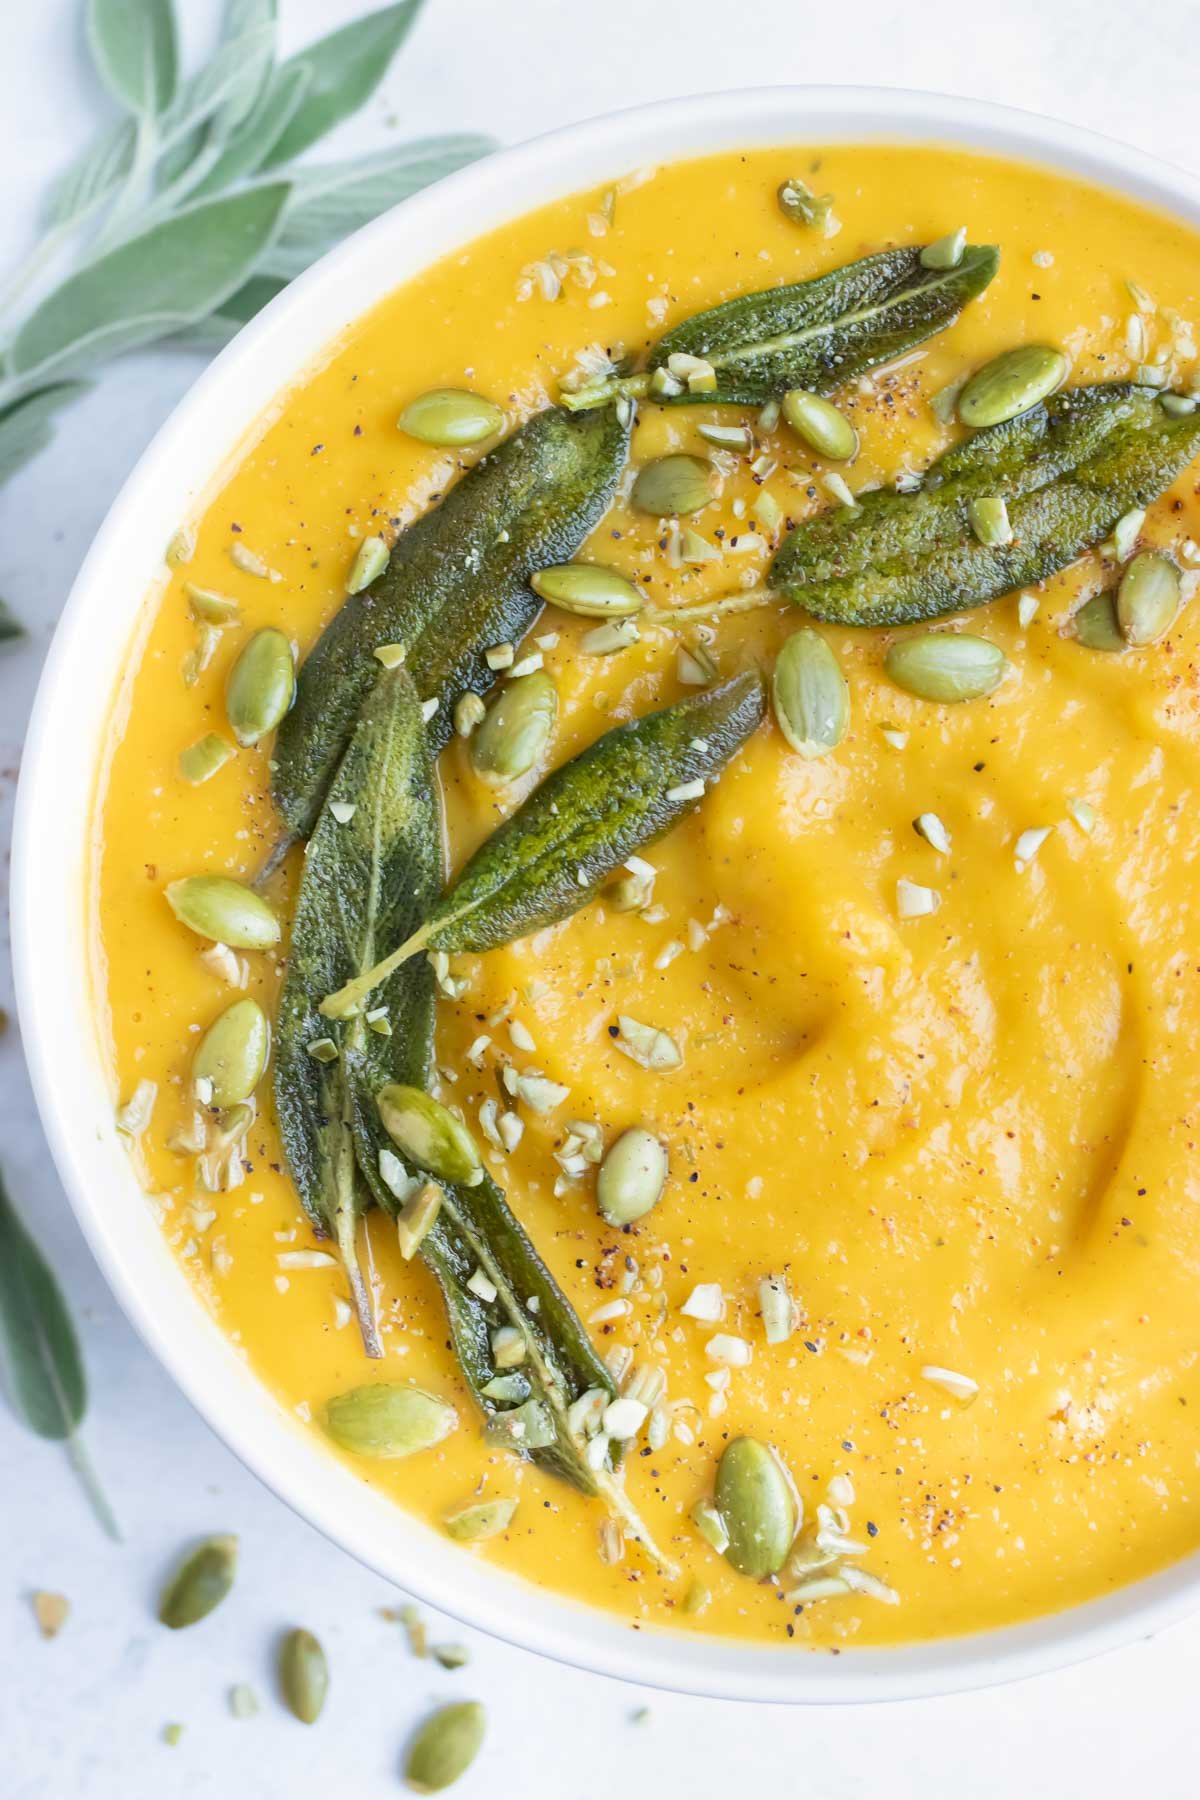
303,1675
200,1583
445,1747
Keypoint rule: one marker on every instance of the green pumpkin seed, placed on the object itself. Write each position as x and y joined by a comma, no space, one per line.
516,729
200,1583
233,1052
755,1499
711,1526
423,1130
261,686
821,425
445,1747
673,485
1096,625
215,907
798,203
303,1675
588,589
387,1420
208,607
1011,384
632,1177
484,1519
368,565
945,666
1148,598
945,252
450,417
201,760
417,1218
990,521
809,694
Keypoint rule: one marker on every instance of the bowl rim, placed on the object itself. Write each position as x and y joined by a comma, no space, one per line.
62,1022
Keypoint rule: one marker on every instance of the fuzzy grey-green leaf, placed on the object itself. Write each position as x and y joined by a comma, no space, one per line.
152,284
344,69
134,47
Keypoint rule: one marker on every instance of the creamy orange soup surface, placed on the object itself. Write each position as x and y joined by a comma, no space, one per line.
964,1139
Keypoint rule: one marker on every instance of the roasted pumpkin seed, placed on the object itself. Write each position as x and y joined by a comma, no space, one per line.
632,1177
387,1420
810,695
451,417
1011,383
515,730
945,666
201,760
754,1498
200,1583
368,565
232,1054
822,426
1148,598
429,1135
261,686
225,911
445,1747
588,589
1095,623
303,1675
483,1519
673,486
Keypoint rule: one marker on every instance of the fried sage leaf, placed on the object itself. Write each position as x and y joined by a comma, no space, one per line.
456,583
817,334
370,875
558,849
1066,470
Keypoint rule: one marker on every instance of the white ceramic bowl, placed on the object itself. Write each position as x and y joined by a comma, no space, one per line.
100,630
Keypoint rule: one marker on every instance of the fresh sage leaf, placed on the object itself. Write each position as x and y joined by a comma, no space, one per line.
192,130
244,150
816,335
216,328
555,853
456,582
344,69
1066,470
821,334
251,24
10,629
367,876
41,1353
25,423
332,199
153,284
91,180
134,47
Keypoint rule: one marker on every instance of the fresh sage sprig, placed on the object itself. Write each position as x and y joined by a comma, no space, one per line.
457,582
816,335
370,875
187,214
556,851
1059,476
43,1364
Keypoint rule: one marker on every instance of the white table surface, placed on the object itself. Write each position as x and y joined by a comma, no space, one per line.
82,1716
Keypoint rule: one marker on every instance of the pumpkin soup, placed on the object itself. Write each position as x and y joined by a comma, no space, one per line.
644,902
